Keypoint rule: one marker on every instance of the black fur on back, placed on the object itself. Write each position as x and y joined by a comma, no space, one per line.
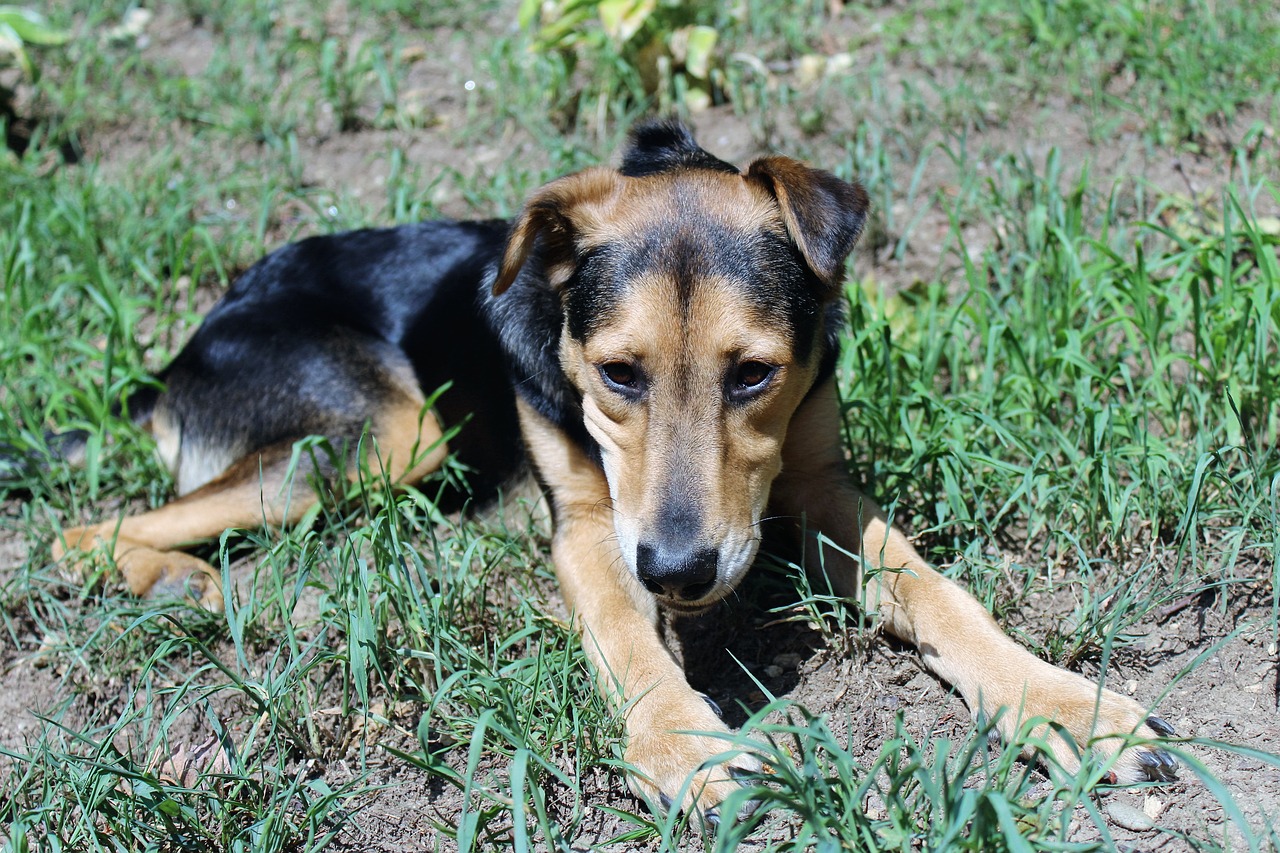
666,145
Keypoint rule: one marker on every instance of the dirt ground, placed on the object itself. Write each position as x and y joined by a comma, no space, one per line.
1232,694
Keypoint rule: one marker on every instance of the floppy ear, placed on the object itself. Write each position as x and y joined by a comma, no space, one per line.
823,214
561,215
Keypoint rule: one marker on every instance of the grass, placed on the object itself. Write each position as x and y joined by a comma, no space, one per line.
1090,366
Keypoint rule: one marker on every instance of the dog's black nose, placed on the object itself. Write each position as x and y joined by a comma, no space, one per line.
687,573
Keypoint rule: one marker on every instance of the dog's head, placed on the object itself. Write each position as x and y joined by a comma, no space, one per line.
695,306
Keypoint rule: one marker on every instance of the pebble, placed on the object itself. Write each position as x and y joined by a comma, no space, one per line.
1152,807
1129,817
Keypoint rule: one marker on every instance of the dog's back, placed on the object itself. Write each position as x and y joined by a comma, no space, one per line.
319,335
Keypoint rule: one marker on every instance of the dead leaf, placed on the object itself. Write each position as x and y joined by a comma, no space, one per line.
184,768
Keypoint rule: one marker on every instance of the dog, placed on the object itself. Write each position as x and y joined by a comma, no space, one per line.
658,343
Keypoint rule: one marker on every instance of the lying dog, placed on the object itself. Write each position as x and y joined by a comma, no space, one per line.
663,336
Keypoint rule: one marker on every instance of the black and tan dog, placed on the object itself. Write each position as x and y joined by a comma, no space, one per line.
663,337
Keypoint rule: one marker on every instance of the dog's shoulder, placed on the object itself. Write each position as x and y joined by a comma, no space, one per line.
528,320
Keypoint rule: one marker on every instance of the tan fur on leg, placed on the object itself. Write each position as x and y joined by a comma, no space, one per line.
955,634
255,490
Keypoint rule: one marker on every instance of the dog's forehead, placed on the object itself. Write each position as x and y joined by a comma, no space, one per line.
667,324
701,204
701,251
684,228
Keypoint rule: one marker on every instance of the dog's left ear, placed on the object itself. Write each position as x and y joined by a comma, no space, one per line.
823,214
561,218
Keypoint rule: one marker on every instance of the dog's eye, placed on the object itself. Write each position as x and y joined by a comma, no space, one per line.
749,379
753,374
623,378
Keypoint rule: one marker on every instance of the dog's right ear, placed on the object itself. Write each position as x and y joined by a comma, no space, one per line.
561,218
823,215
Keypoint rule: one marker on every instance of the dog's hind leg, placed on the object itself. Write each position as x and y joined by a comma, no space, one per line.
409,441
261,488
254,490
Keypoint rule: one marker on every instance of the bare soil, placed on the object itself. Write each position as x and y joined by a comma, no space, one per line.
1232,694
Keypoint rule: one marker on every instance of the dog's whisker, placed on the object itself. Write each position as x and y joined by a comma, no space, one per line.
778,517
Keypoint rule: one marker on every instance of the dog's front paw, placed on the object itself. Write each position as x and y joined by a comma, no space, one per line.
1094,718
682,756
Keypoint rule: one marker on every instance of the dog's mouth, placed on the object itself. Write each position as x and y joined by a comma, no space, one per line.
686,608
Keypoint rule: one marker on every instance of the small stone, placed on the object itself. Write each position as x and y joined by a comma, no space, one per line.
810,68
1152,807
1131,686
838,63
1129,817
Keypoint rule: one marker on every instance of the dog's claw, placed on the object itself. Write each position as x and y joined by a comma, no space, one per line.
712,819
664,801
711,703
1159,726
1158,766
745,777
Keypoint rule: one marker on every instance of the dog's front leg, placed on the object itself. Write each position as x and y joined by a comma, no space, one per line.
957,637
618,623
